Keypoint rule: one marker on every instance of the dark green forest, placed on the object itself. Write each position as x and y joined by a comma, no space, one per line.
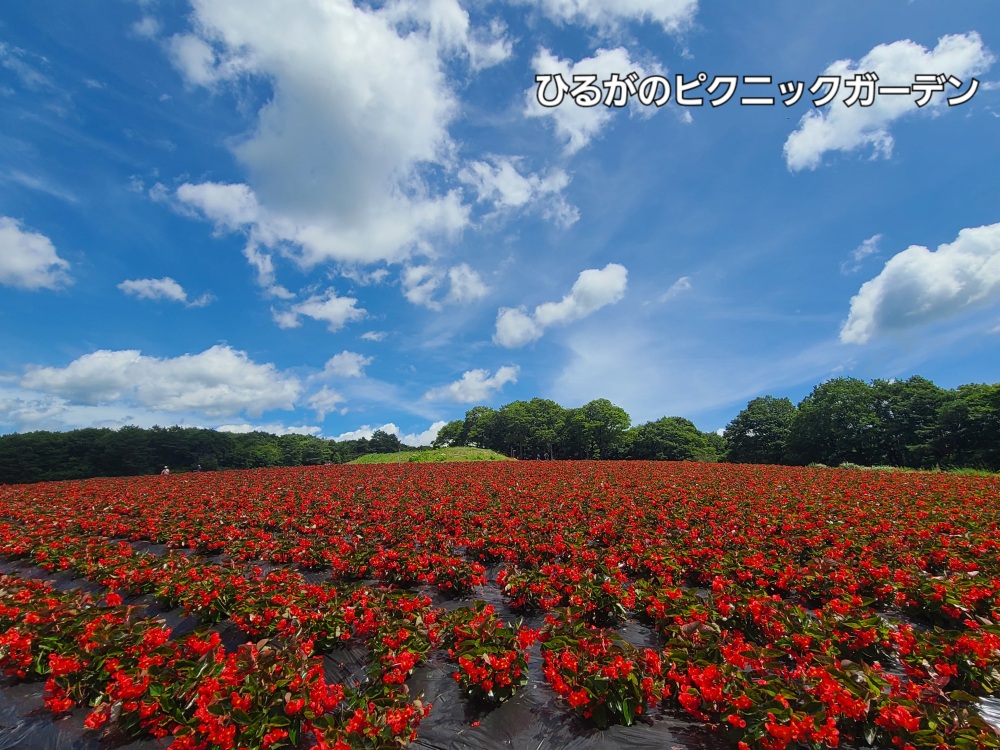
906,423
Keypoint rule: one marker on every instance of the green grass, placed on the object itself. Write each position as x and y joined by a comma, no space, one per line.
432,455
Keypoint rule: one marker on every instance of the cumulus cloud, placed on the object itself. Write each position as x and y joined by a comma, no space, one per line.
347,365
421,283
375,336
324,401
162,289
426,437
465,285
672,15
858,254
447,24
360,106
837,127
335,311
475,385
574,125
415,439
919,286
28,260
592,290
219,381
499,181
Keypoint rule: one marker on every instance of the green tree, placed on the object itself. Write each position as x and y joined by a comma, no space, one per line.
606,426
968,432
908,413
759,433
480,429
384,442
838,422
671,439
450,435
547,419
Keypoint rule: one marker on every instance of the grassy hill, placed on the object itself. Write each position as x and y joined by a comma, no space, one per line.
432,455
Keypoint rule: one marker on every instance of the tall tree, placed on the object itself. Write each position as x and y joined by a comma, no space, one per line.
670,439
606,426
450,435
838,422
547,419
384,442
969,427
759,433
908,415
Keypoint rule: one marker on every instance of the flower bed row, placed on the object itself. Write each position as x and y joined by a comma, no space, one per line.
792,607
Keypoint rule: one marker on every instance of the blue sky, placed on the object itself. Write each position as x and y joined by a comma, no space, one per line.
326,217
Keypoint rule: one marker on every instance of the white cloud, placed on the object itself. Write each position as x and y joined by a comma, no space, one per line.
515,327
360,105
335,311
366,432
375,336
858,254
423,438
683,284
577,126
147,26
324,401
919,286
465,285
162,289
837,127
499,182
475,385
229,206
592,290
218,381
28,260
421,283
672,15
447,24
347,365
194,58
416,439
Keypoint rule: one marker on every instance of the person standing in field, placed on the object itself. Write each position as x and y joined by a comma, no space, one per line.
165,472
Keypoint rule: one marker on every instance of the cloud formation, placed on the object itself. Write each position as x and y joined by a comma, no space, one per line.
360,105
421,283
919,286
837,127
672,15
335,311
28,260
219,381
577,126
347,365
498,181
474,386
592,290
162,289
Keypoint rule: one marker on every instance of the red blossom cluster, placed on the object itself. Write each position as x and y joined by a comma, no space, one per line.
790,607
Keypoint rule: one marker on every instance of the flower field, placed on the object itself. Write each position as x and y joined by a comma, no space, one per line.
773,607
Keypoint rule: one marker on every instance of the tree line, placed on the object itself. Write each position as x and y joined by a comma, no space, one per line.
907,423
542,429
129,451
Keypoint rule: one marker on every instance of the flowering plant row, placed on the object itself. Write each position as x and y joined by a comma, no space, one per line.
789,606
